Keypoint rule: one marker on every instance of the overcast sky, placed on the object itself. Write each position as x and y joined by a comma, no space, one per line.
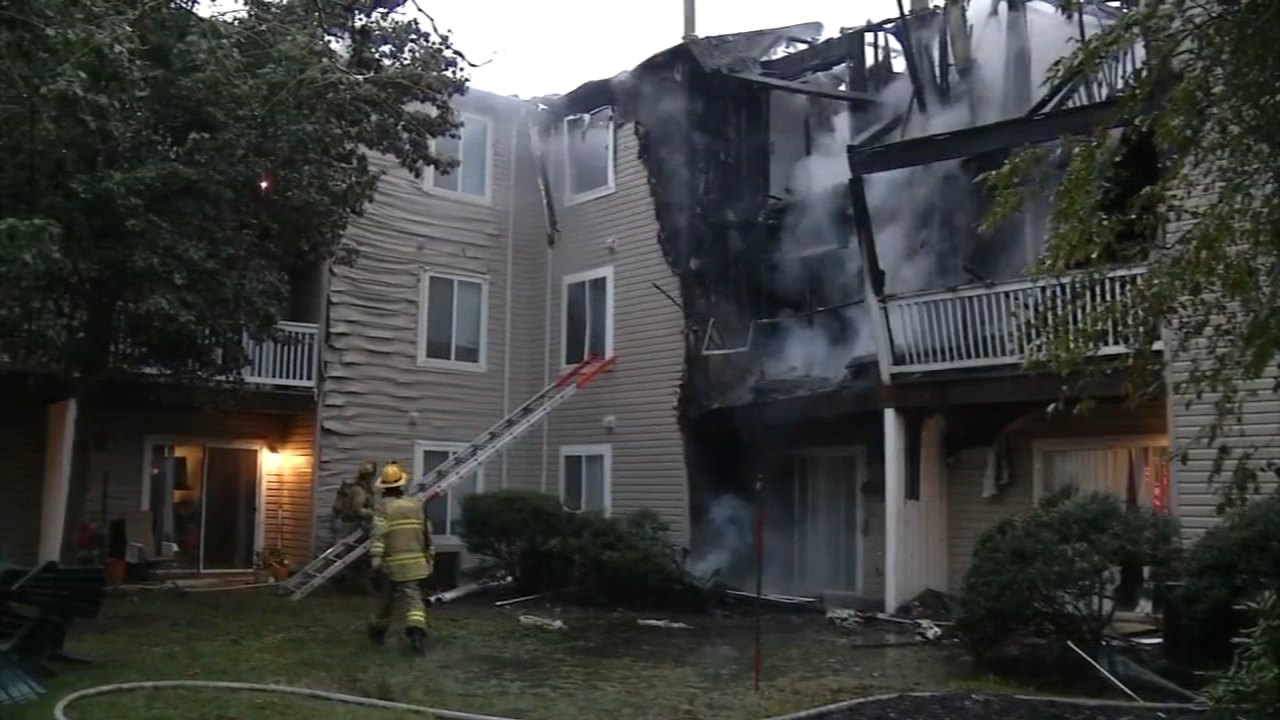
552,46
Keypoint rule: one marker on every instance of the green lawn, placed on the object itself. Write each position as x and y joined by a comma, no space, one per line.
480,660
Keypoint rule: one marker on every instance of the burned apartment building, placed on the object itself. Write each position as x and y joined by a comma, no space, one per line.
854,344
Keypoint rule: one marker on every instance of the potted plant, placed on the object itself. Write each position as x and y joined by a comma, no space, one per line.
273,561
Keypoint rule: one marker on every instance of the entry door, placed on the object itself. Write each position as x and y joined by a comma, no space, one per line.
230,508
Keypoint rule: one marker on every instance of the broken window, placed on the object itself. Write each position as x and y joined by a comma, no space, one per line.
472,150
588,315
584,477
588,140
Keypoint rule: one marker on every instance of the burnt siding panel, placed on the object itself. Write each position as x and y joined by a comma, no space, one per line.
641,391
969,514
22,438
376,400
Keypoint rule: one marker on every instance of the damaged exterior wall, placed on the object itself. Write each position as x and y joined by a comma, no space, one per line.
618,230
377,400
969,513
22,431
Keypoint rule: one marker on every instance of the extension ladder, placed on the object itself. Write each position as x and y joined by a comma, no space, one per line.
438,481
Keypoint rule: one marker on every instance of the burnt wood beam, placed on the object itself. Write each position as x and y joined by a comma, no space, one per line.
853,98
1002,135
823,56
866,236
913,65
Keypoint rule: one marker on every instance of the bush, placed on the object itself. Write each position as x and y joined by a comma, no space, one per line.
521,533
1038,575
1232,562
1251,690
598,560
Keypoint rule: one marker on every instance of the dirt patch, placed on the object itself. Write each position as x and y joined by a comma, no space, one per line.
966,706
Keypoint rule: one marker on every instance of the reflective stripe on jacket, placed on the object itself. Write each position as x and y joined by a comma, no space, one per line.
399,532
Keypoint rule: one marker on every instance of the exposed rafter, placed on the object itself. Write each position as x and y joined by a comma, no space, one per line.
856,98
982,139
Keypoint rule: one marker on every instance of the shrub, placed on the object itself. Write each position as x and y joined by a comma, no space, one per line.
522,533
1039,575
598,560
1251,690
1233,561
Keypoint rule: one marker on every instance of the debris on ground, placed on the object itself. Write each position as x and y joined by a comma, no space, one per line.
514,600
664,624
930,605
535,621
791,601
846,618
967,706
465,590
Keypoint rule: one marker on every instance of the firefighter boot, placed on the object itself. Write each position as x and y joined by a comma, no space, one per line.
417,640
377,633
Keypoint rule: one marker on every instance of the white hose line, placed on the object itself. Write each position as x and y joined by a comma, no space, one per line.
60,711
825,710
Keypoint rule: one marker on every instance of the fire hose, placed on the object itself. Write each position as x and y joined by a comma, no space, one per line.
60,711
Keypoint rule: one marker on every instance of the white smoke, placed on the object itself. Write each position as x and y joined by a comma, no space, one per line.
917,214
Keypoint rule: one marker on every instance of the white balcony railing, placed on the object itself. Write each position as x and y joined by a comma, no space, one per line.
997,324
290,361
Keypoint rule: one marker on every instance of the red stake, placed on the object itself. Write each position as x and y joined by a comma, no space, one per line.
759,654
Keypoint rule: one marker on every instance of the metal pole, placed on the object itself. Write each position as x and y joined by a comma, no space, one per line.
759,655
690,17
1104,672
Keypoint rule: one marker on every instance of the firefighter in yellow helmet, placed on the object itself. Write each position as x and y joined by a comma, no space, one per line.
401,548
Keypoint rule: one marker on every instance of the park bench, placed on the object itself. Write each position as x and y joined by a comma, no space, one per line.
36,608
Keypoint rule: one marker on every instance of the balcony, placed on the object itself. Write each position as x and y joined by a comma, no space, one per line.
995,324
290,361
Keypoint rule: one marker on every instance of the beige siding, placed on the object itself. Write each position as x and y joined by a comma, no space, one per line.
22,433
968,513
1195,489
120,457
376,400
641,391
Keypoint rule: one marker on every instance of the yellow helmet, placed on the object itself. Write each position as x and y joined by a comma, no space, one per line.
392,476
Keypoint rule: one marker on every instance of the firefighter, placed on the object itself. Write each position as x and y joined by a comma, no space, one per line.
353,509
402,549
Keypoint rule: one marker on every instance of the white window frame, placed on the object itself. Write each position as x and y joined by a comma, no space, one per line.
605,272
1103,442
571,199
452,448
424,285
602,449
429,177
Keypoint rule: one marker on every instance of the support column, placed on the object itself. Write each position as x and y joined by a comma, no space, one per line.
895,482
60,436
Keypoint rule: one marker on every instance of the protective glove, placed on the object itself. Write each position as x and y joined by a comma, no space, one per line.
375,563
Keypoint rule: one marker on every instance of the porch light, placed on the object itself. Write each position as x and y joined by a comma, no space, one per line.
270,458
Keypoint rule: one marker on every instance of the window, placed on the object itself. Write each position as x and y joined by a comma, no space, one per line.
473,150
445,511
586,315
584,477
588,146
1103,465
453,313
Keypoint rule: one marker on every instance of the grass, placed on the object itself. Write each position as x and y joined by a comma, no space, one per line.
480,660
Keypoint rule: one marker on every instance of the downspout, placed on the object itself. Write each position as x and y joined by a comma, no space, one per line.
553,228
506,312
546,362
322,343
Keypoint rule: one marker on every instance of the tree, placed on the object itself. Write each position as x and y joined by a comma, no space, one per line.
165,174
1206,98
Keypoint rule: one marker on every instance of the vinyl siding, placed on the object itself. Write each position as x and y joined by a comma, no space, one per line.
119,460
1195,489
376,400
22,435
969,514
640,392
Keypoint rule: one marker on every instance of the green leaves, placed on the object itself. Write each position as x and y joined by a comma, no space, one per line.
136,136
1206,98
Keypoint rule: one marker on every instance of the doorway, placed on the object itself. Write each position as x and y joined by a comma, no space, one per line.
205,499
815,523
